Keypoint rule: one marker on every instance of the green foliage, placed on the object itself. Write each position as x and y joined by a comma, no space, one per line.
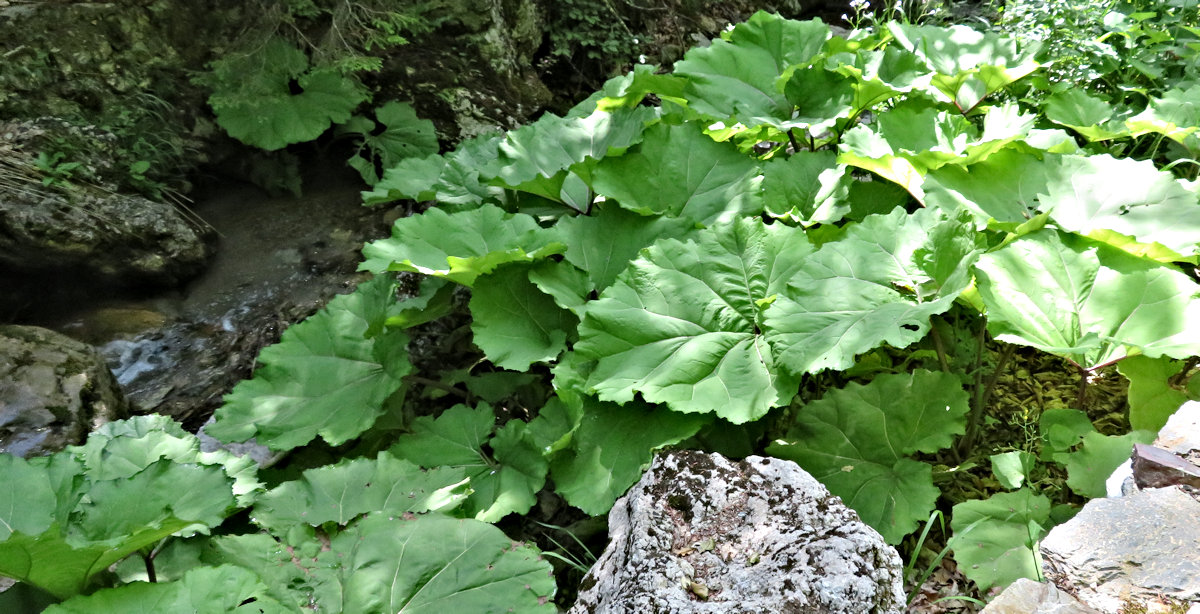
395,133
325,376
858,442
996,539
66,518
254,101
798,212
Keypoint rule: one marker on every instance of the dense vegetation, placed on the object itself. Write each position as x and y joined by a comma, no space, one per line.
822,248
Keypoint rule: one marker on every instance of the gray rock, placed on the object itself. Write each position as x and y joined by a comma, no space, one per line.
1155,467
701,533
125,239
53,391
1181,435
1138,547
1028,597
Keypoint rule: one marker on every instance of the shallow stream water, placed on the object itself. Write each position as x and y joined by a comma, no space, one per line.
277,260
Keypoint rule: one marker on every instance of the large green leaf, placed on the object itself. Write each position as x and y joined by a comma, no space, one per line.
1089,467
877,284
909,141
461,177
683,325
432,565
254,103
515,323
995,540
808,187
204,590
504,481
738,78
1005,187
857,442
404,135
1092,117
1175,115
679,171
1095,193
342,492
970,64
1152,398
324,377
397,563
610,447
602,244
534,158
1090,195
459,246
67,518
1087,301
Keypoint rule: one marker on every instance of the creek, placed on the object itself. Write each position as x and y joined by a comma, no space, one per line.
277,260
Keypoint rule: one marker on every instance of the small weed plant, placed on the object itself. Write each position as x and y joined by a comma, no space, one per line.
823,248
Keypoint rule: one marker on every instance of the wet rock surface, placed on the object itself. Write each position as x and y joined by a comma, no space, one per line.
1140,547
1028,597
53,391
119,239
701,533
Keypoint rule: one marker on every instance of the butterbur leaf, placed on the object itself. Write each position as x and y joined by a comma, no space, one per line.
683,325
461,177
1175,115
515,323
264,112
602,244
1091,117
878,283
342,492
737,78
459,246
1087,301
204,590
857,440
610,447
504,482
1005,187
809,187
679,171
431,565
1087,194
911,140
970,64
324,377
1089,467
534,158
404,135
995,540
1152,398
71,520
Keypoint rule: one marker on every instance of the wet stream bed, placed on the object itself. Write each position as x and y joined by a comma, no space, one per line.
278,259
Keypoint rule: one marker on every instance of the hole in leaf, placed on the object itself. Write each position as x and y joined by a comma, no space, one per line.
912,327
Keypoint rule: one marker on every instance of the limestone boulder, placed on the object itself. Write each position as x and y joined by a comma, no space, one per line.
53,391
702,533
1138,548
119,238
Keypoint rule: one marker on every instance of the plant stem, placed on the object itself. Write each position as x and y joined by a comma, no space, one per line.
792,138
977,405
432,383
940,347
148,558
1081,397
